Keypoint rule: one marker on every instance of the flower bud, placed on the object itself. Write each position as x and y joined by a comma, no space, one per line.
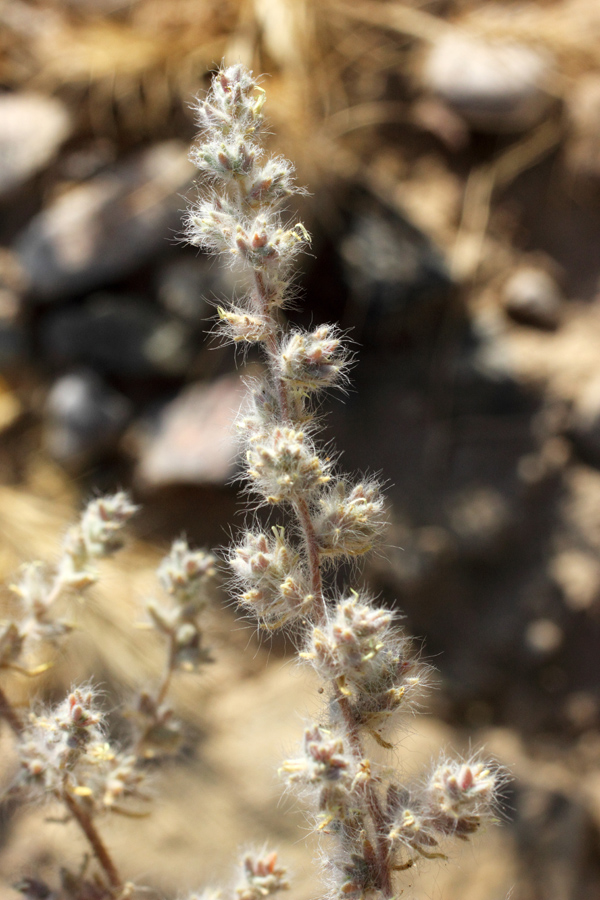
240,325
323,762
271,184
102,524
313,360
274,585
186,575
261,877
463,791
350,519
350,645
282,465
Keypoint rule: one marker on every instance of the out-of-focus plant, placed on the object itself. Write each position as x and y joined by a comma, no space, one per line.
66,752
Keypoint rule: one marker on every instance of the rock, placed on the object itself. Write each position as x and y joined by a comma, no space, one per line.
83,418
125,336
396,276
531,296
495,86
192,440
14,339
585,424
583,112
186,285
107,227
32,128
482,374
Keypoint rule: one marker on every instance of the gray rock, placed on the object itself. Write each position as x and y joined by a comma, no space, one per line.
495,86
186,286
532,296
124,336
32,128
192,440
83,418
396,276
105,228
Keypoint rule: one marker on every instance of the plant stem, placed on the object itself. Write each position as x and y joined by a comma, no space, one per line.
8,712
314,559
86,824
271,344
372,799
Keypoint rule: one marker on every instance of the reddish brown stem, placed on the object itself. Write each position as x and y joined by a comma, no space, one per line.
86,824
302,511
166,680
8,712
371,797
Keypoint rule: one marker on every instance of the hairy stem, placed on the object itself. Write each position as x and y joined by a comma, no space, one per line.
371,796
85,822
271,344
314,558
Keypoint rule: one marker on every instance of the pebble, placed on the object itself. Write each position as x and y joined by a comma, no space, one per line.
107,227
531,296
495,86
192,440
83,417
32,128
119,335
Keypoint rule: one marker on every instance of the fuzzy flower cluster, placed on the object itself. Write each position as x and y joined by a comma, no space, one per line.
286,574
274,583
455,801
188,578
65,753
260,876
38,589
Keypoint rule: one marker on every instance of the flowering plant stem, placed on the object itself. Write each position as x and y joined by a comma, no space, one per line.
86,824
377,826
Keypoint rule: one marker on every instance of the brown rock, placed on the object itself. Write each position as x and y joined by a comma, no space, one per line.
32,128
105,228
193,440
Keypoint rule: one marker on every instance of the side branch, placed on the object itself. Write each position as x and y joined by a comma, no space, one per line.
89,829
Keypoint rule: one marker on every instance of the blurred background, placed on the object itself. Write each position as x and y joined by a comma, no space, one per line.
452,154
